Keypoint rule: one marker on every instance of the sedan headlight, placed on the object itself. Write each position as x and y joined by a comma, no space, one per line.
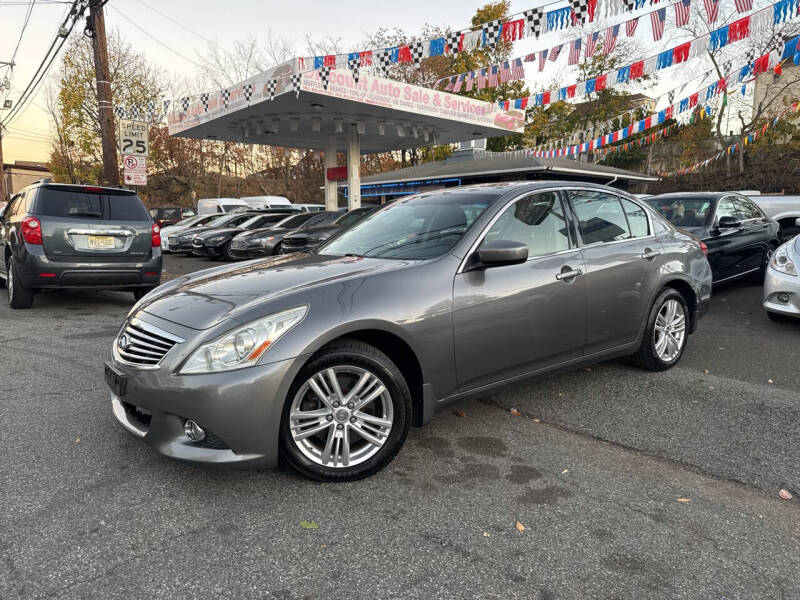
243,346
215,240
781,262
263,241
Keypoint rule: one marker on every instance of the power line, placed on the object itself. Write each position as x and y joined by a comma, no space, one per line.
75,12
155,39
22,32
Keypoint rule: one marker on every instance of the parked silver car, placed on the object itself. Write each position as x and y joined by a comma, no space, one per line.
782,282
328,357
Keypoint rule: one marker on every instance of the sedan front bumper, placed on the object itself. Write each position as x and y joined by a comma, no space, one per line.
778,285
240,412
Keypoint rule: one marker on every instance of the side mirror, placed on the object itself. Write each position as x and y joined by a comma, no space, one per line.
728,222
500,253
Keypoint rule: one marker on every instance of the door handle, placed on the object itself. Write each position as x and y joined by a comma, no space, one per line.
569,275
650,254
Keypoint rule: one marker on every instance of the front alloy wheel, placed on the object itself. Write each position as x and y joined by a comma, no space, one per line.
347,414
341,416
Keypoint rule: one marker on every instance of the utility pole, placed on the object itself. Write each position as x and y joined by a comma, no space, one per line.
3,195
104,101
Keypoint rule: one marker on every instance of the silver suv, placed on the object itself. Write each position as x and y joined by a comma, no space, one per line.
76,236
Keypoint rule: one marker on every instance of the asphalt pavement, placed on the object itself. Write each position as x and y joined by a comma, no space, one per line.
608,483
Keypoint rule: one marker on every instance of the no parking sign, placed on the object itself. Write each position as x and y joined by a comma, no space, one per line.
135,170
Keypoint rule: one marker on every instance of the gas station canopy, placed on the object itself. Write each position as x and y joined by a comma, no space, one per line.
369,116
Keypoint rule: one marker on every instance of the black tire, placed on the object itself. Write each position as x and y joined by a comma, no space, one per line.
351,353
18,295
139,293
757,278
647,357
226,252
778,318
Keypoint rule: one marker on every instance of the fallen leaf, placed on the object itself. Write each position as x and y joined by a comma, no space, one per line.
684,500
536,420
705,371
520,526
485,534
560,394
515,412
565,471
460,413
770,381
309,525
78,441
323,545
785,494
711,387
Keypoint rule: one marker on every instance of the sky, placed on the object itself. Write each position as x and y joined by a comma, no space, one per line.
222,23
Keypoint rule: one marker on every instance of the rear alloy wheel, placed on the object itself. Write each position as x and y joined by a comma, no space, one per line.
347,415
18,295
665,337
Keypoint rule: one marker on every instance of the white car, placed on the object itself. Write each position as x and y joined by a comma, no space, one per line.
782,282
195,221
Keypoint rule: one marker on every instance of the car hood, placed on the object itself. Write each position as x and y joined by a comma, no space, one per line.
204,235
315,233
260,233
207,298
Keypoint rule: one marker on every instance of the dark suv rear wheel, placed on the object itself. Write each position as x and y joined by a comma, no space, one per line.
18,295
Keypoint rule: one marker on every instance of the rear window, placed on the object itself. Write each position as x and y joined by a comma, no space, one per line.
69,204
126,208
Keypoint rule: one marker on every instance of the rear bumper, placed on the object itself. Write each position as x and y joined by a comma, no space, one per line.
39,272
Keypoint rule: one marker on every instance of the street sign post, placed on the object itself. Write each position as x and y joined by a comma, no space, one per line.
135,170
133,138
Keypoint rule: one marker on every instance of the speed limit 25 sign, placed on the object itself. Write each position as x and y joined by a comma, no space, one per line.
133,138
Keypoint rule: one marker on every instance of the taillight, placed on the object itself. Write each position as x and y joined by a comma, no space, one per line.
156,235
32,231
704,248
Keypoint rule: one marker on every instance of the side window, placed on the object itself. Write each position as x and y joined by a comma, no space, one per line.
19,206
725,208
12,206
536,221
637,219
600,217
747,209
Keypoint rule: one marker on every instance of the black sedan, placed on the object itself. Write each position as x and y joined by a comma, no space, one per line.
216,243
740,238
268,241
182,241
308,238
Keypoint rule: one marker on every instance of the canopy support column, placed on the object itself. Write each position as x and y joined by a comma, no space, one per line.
353,169
331,199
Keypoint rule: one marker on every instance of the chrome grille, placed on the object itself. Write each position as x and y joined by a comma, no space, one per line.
143,345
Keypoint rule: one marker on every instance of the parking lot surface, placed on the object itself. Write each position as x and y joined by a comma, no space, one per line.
608,482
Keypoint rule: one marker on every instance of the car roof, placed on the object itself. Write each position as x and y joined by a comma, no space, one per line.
512,187
705,195
79,186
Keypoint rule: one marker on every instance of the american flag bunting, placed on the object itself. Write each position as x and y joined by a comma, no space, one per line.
630,26
743,5
712,10
610,41
517,70
542,59
555,52
591,43
657,19
575,52
682,12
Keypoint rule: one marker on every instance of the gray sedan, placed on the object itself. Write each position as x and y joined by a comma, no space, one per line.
328,357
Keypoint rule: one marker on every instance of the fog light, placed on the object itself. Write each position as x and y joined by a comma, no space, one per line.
783,298
193,431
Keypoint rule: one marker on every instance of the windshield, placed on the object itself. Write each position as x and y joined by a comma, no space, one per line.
219,221
417,228
682,211
352,216
294,221
260,221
